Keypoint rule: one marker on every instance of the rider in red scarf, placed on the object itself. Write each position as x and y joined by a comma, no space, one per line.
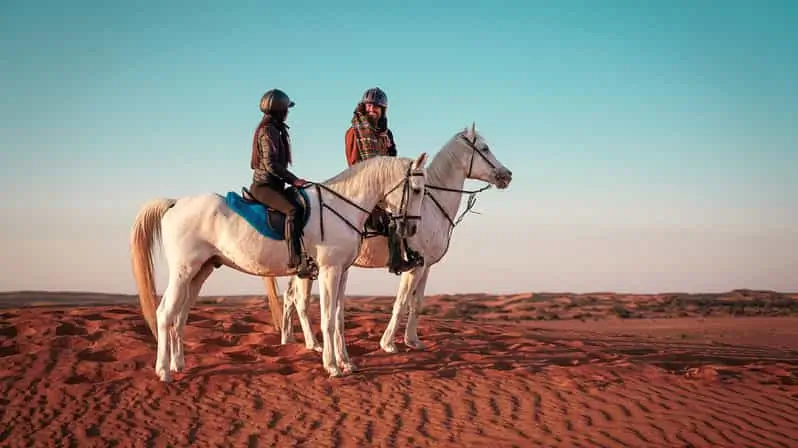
369,137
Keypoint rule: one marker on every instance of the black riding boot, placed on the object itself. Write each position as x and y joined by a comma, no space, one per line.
414,259
305,266
290,240
396,261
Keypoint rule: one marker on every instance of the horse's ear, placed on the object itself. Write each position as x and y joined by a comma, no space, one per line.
420,161
470,132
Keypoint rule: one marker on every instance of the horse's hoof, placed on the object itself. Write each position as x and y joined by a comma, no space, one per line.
316,348
414,344
334,372
349,367
389,347
177,365
164,375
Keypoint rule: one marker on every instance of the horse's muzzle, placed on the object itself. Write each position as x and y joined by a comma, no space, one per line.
503,178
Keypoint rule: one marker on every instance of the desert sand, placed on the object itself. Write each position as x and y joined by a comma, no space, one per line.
591,370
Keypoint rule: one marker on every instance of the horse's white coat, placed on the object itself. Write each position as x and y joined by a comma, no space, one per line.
449,169
199,230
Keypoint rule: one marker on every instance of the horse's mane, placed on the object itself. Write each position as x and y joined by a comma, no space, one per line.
351,180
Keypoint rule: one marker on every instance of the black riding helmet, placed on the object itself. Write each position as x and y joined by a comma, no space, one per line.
275,100
375,95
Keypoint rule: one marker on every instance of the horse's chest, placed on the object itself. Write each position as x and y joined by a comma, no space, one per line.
436,243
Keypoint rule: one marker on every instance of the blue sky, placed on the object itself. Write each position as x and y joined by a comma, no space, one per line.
653,147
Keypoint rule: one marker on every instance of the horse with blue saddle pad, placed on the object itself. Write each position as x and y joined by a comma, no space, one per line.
201,232
266,220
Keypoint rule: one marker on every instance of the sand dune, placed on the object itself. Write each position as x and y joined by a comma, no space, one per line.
519,370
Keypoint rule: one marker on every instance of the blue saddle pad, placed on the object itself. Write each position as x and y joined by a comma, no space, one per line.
267,221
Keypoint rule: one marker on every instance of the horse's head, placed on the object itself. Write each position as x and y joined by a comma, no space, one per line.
404,200
480,162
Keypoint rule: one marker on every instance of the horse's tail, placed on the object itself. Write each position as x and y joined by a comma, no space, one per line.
146,231
275,306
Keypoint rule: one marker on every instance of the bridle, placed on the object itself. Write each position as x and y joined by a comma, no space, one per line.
403,217
475,150
472,199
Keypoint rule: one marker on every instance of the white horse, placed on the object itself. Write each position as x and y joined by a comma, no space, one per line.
465,155
202,232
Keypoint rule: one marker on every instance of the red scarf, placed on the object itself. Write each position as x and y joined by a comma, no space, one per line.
371,141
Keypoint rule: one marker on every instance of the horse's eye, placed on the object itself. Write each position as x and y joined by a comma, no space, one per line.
417,190
486,149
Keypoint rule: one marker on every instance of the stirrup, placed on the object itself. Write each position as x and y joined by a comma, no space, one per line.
307,268
414,259
400,267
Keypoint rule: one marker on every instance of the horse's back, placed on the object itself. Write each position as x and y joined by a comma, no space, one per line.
197,208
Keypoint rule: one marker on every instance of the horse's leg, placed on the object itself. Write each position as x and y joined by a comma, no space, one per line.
176,290
342,355
329,277
287,330
301,300
178,359
409,278
411,328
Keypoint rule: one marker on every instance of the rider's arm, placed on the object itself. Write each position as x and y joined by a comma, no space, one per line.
269,161
352,154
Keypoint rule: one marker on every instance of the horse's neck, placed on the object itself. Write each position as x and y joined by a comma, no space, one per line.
355,215
448,171
364,195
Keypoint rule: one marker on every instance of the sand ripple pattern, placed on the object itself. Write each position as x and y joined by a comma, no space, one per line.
82,376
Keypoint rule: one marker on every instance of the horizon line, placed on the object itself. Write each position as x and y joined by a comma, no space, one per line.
98,293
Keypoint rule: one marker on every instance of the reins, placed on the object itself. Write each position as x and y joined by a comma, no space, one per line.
472,198
402,206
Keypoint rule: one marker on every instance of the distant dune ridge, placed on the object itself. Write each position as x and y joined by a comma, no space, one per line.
538,306
553,369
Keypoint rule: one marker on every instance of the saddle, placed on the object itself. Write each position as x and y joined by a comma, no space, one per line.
275,219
